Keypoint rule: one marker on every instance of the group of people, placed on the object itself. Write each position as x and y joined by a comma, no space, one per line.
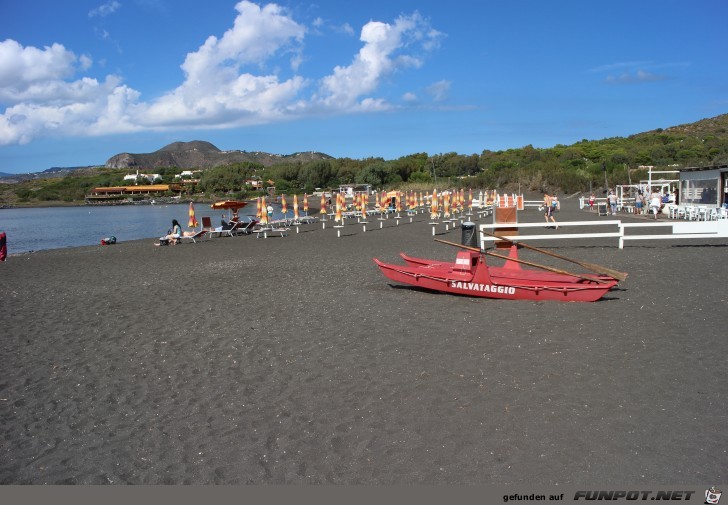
655,203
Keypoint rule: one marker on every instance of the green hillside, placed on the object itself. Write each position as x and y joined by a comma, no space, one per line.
574,168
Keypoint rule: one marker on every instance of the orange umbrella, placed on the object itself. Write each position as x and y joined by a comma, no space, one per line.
399,203
470,198
295,207
338,216
323,204
446,205
305,203
263,211
193,220
433,204
384,199
364,206
284,209
229,204
376,200
258,213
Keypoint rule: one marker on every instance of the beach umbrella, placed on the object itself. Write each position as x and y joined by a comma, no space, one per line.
258,213
446,204
295,207
284,208
263,211
323,203
305,203
192,223
376,200
399,203
338,216
364,206
433,205
384,199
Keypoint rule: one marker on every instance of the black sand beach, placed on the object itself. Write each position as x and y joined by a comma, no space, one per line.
294,361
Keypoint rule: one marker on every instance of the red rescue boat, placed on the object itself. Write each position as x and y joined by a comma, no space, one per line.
469,275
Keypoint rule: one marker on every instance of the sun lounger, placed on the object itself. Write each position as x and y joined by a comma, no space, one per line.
197,236
265,230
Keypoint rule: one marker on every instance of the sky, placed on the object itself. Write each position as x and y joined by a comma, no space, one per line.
84,80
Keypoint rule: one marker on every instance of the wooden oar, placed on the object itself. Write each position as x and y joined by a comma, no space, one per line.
543,267
589,266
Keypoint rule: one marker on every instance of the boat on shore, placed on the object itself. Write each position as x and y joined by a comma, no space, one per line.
470,275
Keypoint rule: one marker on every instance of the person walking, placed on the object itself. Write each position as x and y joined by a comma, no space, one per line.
613,202
655,202
548,206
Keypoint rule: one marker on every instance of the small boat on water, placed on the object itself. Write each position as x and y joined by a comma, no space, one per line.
469,275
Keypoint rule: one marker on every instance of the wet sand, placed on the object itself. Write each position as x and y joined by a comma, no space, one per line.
295,361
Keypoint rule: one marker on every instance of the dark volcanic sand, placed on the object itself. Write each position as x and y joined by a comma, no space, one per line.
293,360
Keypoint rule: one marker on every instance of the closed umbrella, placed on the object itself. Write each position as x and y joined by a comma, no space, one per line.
192,223
323,204
284,208
305,203
295,207
338,216
263,211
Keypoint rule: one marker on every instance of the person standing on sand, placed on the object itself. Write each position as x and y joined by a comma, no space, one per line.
548,208
655,202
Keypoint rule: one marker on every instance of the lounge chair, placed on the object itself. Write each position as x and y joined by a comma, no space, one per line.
194,238
243,227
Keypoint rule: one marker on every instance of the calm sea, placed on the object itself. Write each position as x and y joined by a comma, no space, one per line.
56,227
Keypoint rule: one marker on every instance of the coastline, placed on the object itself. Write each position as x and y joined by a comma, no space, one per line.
294,361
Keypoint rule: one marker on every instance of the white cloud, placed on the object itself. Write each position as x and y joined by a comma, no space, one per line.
226,80
21,66
105,9
380,56
439,90
635,77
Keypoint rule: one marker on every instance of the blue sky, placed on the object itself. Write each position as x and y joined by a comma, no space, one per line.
84,80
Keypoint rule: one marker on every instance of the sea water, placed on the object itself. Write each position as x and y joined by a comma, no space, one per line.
34,229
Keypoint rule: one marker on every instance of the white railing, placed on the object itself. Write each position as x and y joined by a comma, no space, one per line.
680,230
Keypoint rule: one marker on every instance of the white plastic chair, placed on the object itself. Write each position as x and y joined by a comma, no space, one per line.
690,213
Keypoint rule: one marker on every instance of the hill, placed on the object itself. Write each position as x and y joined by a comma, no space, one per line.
200,154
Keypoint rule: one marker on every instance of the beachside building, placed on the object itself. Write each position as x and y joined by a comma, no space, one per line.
146,178
351,189
704,185
113,193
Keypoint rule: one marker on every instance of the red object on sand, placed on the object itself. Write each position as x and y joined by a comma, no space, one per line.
3,246
469,275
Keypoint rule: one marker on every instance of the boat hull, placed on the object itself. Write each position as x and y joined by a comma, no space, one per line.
470,276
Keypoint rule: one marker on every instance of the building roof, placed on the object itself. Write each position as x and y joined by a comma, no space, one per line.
722,168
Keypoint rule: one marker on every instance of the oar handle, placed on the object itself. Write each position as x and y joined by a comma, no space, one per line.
589,266
536,265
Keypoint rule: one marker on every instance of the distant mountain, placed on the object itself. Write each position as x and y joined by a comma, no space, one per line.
45,174
200,154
